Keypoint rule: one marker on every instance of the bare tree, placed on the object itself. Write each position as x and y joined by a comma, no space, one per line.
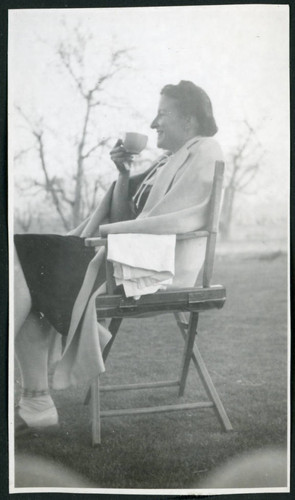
73,199
243,164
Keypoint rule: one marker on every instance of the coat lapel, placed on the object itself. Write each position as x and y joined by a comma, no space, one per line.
164,179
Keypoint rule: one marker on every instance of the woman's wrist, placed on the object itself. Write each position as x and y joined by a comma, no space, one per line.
124,173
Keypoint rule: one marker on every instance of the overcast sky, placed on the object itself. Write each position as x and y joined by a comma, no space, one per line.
237,53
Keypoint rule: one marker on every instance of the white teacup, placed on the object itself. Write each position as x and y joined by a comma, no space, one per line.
134,143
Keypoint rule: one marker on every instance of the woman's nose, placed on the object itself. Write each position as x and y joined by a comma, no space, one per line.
154,123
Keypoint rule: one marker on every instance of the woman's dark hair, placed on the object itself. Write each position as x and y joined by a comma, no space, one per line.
193,101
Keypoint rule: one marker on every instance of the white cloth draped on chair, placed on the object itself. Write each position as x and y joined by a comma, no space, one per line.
143,263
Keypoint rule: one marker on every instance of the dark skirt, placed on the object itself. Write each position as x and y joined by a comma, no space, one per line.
54,267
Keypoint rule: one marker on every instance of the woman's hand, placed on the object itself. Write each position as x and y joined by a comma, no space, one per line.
121,158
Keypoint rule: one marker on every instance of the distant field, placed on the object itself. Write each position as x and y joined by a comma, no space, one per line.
245,348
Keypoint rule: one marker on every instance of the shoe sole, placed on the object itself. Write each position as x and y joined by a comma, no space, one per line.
36,431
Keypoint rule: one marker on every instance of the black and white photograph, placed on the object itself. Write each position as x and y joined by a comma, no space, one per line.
148,213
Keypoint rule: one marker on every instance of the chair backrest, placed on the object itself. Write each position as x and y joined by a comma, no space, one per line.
213,220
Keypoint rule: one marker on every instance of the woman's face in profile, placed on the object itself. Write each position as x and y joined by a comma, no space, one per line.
170,125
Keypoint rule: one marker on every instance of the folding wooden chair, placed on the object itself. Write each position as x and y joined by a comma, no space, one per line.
177,301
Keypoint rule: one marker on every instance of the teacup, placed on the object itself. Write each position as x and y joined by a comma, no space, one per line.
134,143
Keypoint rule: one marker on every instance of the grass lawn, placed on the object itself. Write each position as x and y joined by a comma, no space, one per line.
245,348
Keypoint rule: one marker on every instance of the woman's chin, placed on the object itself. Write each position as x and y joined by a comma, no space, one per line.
161,143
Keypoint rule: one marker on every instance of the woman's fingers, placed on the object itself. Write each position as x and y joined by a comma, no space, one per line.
120,156
118,146
119,142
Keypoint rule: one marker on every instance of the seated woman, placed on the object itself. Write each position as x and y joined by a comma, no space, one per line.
51,270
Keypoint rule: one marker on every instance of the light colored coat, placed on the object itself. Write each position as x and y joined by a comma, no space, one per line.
177,203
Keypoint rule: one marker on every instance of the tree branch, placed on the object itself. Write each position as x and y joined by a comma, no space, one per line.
102,142
48,183
65,59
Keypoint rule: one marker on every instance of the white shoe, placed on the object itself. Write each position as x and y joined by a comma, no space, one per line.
43,420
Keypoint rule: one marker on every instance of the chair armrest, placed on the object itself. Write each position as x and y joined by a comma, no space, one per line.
95,242
192,234
98,242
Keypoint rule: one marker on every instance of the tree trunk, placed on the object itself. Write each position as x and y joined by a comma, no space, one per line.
80,166
227,213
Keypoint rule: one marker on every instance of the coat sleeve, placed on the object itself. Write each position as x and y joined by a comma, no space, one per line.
90,226
182,221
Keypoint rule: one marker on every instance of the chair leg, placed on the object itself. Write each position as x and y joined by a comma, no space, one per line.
210,389
188,349
205,376
113,328
93,393
95,412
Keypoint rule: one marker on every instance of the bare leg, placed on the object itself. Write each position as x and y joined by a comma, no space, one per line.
31,349
31,335
32,340
22,297
36,408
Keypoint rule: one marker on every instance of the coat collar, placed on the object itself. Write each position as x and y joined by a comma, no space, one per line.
186,146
